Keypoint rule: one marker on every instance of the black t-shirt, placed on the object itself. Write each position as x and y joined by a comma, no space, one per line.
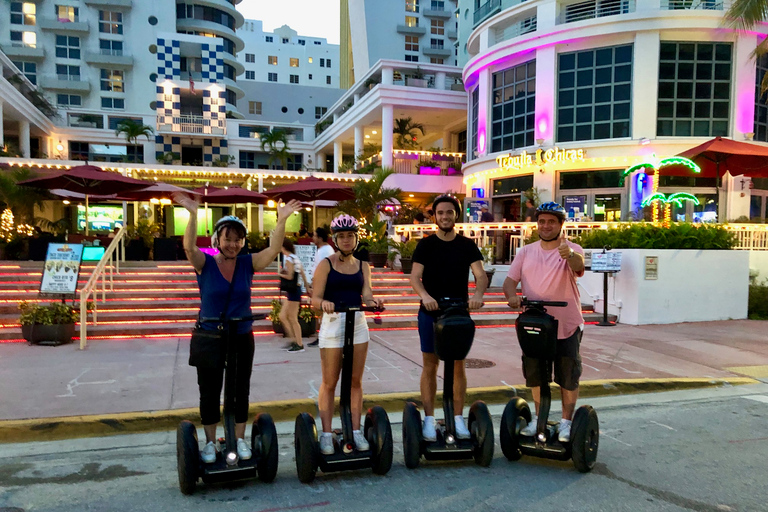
446,265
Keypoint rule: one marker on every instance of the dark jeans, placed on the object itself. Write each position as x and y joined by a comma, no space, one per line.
211,380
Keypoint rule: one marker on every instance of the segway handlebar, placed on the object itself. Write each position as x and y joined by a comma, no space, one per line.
447,302
246,318
525,301
350,309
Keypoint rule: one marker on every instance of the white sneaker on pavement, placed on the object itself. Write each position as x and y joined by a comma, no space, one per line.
461,429
530,429
428,430
564,432
243,450
361,443
209,452
326,443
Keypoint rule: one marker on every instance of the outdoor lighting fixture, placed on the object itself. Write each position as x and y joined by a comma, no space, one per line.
410,195
66,201
59,147
165,201
154,201
308,209
374,132
270,204
367,136
273,182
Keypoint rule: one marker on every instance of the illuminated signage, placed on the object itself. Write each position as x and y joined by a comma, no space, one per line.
541,157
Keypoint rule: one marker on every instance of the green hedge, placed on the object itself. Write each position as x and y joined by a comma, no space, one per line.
758,302
642,235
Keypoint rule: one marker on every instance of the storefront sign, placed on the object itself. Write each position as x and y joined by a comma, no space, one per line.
541,157
62,268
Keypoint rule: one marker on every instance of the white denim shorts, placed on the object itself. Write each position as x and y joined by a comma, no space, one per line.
332,330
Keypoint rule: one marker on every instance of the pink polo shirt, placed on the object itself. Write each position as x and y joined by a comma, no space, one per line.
546,276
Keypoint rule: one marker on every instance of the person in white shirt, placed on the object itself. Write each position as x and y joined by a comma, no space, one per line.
324,250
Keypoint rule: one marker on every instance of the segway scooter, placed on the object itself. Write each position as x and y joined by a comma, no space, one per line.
377,429
454,334
228,465
537,335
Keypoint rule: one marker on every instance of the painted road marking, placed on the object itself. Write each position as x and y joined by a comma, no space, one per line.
751,371
757,398
663,425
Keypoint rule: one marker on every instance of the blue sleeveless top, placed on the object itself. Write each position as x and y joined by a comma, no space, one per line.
344,289
214,289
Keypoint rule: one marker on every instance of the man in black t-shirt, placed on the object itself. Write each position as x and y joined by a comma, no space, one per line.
441,264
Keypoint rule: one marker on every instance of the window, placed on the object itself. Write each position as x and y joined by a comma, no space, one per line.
272,60
327,63
320,112
254,107
110,47
68,100
412,43
28,39
286,40
113,103
411,21
318,43
302,42
411,5
309,76
309,60
594,94
110,22
294,63
78,150
113,121
23,13
322,63
67,47
436,43
514,107
247,159
65,72
28,69
694,89
269,39
438,5
112,80
412,58
272,77
67,13
295,162
328,79
205,13
435,60
250,58
437,27
761,107
294,79
250,75
472,149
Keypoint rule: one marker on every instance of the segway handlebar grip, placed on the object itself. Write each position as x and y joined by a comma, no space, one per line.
551,303
347,309
246,318
447,302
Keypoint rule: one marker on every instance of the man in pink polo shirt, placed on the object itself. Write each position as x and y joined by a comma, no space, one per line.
548,270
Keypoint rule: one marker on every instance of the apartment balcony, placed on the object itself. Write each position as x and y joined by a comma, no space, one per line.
422,163
486,10
693,5
591,9
405,29
437,51
191,124
69,83
451,34
124,4
111,57
433,13
63,25
22,51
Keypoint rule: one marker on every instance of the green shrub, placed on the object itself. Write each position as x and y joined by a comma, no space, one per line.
758,301
647,236
54,313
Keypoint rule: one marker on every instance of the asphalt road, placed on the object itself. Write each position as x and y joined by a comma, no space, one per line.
701,450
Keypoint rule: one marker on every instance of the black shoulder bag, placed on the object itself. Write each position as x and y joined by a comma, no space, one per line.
208,349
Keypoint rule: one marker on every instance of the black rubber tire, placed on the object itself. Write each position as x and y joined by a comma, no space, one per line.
378,432
411,435
307,447
481,427
517,409
187,457
264,445
585,438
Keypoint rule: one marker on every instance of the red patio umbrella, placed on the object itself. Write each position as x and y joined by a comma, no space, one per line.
719,155
312,189
157,190
236,195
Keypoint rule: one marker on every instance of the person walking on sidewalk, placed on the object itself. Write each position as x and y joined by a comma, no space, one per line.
324,250
291,291
548,270
342,280
441,264
226,278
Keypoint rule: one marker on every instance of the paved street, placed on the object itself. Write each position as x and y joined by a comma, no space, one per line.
701,450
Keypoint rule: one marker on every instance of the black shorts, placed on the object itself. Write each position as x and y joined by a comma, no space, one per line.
567,365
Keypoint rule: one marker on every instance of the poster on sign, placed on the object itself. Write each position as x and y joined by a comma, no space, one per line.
306,254
606,261
62,268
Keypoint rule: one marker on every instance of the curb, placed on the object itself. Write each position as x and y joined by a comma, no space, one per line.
68,427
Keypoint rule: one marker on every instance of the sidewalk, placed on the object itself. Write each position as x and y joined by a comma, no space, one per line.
140,376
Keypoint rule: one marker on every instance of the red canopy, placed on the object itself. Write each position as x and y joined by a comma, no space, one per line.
312,189
87,179
719,155
157,190
235,195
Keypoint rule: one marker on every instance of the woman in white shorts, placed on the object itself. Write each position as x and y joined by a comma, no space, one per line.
342,280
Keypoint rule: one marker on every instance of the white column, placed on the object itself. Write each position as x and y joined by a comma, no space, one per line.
2,139
320,159
261,206
336,155
447,141
646,65
24,138
387,76
387,137
358,140
440,80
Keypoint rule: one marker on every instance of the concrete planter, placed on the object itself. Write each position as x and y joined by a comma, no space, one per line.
692,286
55,334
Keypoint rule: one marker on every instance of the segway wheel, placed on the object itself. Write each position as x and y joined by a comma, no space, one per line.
516,410
187,456
378,431
307,447
585,437
481,427
411,435
264,445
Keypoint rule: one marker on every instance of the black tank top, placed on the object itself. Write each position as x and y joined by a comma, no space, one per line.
344,289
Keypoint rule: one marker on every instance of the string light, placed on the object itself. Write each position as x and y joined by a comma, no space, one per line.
6,225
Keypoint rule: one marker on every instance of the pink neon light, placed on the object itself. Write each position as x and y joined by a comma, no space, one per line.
745,108
429,171
481,140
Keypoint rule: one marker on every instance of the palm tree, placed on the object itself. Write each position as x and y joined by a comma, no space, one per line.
21,200
132,130
745,15
277,141
369,194
405,129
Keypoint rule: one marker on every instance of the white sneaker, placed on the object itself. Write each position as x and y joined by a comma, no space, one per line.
428,430
326,443
530,429
564,432
461,429
209,452
243,450
361,443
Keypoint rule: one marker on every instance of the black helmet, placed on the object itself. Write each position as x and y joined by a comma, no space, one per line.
551,208
445,198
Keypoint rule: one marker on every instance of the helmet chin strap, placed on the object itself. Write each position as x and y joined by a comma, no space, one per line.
553,238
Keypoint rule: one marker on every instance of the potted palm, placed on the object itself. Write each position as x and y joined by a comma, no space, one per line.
377,242
405,250
53,324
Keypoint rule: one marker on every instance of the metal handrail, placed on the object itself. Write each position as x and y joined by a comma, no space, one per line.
116,248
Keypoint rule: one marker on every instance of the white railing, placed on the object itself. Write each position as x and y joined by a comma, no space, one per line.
751,237
114,253
590,9
519,28
700,5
